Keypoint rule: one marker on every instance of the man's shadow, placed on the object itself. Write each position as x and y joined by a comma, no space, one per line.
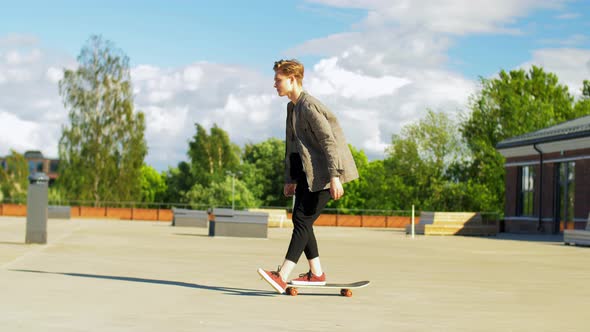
226,290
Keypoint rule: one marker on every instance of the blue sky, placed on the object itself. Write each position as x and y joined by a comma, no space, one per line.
173,33
484,55
378,64
251,33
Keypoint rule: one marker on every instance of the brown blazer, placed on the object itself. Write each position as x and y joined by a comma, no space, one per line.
313,132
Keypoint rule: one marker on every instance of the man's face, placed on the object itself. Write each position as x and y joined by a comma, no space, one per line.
283,84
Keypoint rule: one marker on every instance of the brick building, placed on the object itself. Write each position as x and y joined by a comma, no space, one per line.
38,163
555,196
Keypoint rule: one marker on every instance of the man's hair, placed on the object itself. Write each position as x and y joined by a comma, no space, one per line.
290,68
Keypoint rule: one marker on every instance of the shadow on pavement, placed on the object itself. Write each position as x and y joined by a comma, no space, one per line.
189,234
226,290
14,243
549,238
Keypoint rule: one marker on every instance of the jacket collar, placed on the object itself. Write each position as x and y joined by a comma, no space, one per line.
302,96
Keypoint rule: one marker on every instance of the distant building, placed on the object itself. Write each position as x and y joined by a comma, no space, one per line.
555,196
38,163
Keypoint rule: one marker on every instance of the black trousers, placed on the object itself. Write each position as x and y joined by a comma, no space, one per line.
307,209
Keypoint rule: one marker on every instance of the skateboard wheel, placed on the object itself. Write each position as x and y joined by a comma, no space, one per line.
292,291
346,292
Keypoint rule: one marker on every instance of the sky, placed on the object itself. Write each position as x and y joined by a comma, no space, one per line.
379,65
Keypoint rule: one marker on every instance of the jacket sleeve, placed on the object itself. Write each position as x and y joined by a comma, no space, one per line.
322,130
289,146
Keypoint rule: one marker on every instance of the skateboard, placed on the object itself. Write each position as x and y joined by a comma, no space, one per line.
345,289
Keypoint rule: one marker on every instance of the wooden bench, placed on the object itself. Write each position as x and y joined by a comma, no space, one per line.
579,237
276,217
189,218
59,212
227,222
456,223
426,218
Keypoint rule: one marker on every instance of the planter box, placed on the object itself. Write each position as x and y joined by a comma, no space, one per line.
238,224
190,218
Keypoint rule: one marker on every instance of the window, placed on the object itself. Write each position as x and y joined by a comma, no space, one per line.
53,166
526,197
566,191
35,166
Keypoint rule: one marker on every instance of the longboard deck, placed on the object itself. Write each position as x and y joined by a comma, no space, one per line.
345,289
358,284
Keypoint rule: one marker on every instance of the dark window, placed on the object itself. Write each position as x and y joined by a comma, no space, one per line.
53,166
526,197
35,166
567,189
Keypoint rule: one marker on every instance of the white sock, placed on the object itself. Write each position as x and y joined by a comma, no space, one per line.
315,266
286,269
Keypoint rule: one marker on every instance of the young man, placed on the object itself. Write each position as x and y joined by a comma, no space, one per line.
317,163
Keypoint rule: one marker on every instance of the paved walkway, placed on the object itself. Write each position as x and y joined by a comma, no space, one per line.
100,275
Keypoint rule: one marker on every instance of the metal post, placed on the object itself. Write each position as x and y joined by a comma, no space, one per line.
413,224
233,177
233,186
37,199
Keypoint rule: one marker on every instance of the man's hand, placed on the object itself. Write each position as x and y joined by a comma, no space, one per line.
289,189
336,190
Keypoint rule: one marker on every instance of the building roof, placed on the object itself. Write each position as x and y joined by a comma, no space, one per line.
33,155
576,128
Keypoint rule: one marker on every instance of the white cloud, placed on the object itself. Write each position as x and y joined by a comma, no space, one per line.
329,78
18,40
571,41
31,111
237,99
15,57
447,16
568,16
54,75
22,135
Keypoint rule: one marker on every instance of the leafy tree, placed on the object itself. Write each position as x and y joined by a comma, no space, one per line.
212,154
153,184
263,171
582,106
102,148
219,194
14,180
420,161
354,191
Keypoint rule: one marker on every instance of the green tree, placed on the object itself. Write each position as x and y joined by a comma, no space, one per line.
178,181
420,161
14,180
219,194
212,154
153,185
103,147
582,106
263,171
515,103
354,191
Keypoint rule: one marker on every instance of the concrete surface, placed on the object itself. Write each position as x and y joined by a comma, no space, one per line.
100,275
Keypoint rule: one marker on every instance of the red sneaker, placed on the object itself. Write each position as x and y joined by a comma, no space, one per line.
274,279
309,279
